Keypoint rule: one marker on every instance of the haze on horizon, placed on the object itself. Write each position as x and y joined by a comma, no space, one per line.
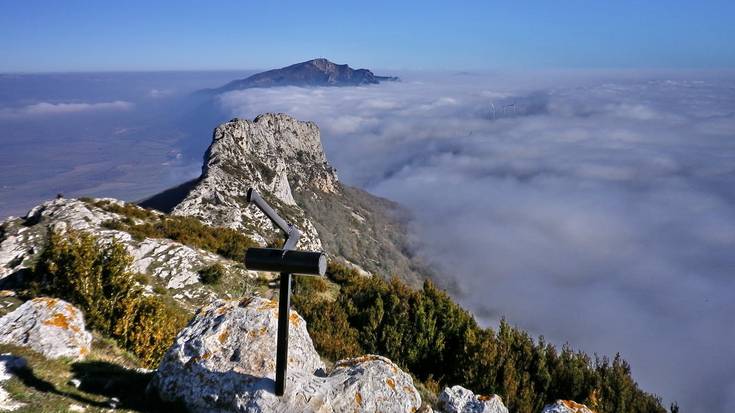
604,200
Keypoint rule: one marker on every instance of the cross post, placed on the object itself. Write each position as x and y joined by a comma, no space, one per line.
286,261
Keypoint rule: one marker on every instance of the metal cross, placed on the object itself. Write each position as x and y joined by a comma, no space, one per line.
286,261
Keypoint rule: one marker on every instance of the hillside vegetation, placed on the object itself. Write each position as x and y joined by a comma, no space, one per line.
77,268
441,344
421,329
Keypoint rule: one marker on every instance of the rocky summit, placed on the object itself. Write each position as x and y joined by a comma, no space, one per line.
183,258
316,72
283,159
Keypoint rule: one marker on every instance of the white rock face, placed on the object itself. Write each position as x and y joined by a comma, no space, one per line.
566,406
175,264
457,399
8,365
224,361
275,154
49,326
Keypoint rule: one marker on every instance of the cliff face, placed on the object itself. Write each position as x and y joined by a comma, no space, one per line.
273,154
284,160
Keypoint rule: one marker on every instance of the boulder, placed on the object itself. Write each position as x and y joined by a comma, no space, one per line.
457,399
224,361
566,406
49,326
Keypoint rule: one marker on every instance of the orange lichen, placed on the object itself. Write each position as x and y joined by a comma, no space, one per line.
573,406
221,310
57,320
391,383
294,318
357,360
223,336
269,304
259,332
358,398
50,302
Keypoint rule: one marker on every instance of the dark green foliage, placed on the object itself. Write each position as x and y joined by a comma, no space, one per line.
189,231
212,274
439,342
93,276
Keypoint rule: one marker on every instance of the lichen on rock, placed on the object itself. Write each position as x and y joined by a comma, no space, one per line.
49,326
224,360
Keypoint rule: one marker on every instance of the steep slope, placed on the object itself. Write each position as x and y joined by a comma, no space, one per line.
283,159
316,72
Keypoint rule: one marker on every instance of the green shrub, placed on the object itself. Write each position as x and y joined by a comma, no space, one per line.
440,343
78,268
212,274
226,242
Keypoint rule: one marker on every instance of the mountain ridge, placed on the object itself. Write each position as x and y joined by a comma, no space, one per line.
315,72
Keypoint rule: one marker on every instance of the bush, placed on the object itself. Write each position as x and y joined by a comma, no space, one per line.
212,274
78,268
226,242
427,333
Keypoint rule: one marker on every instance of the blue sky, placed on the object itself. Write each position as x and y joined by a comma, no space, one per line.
474,35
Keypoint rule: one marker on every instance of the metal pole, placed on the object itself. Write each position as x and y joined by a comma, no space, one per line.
284,309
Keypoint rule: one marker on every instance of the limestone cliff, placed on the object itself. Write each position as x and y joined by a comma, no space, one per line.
284,160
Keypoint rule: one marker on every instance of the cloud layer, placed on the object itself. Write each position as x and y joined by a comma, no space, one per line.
46,108
598,210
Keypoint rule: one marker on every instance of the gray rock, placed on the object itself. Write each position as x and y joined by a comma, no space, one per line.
566,406
49,326
224,360
175,264
457,399
276,154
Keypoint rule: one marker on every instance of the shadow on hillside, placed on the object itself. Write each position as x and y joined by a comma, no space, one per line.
166,201
129,386
29,379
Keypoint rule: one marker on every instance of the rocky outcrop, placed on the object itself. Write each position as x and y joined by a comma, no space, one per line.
457,399
316,72
283,159
8,365
566,406
224,360
174,265
49,326
275,154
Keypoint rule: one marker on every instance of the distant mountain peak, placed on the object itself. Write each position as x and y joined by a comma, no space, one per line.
315,72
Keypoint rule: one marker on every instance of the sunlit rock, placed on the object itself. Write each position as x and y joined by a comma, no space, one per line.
224,360
457,399
49,326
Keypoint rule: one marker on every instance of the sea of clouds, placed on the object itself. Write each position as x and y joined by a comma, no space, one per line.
596,209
